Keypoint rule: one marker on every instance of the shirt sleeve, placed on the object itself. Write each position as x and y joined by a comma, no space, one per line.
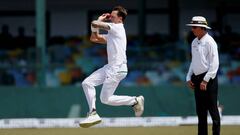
189,74
213,62
112,28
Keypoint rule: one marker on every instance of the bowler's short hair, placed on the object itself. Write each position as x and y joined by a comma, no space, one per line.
122,12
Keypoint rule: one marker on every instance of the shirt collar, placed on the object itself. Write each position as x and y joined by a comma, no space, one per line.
202,40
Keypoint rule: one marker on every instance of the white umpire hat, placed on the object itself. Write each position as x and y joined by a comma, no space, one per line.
199,21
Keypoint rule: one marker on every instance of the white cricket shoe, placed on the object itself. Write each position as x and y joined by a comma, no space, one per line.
139,106
91,120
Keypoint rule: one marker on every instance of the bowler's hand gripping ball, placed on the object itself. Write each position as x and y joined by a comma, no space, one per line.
108,16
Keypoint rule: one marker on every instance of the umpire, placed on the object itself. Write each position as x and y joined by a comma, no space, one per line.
202,75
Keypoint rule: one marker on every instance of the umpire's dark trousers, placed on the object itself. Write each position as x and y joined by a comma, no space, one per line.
206,101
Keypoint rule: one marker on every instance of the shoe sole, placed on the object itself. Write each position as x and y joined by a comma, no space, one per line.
87,125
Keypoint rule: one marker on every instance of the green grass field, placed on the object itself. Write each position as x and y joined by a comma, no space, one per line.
178,130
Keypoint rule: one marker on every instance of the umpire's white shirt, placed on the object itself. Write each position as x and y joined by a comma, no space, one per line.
204,58
116,44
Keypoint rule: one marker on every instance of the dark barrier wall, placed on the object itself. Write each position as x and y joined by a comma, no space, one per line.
64,102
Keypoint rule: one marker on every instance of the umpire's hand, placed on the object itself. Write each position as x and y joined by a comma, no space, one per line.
190,84
203,85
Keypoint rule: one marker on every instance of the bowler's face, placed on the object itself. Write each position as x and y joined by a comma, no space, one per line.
114,17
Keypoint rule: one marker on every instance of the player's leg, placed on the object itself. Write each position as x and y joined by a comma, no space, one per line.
95,79
108,89
201,109
107,94
201,105
213,106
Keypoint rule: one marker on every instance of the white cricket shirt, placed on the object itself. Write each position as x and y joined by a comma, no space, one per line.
204,58
116,44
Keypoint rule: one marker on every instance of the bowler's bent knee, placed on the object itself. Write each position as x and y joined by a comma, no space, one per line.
104,100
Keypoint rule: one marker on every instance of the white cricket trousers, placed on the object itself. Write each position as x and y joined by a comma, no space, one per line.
109,76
